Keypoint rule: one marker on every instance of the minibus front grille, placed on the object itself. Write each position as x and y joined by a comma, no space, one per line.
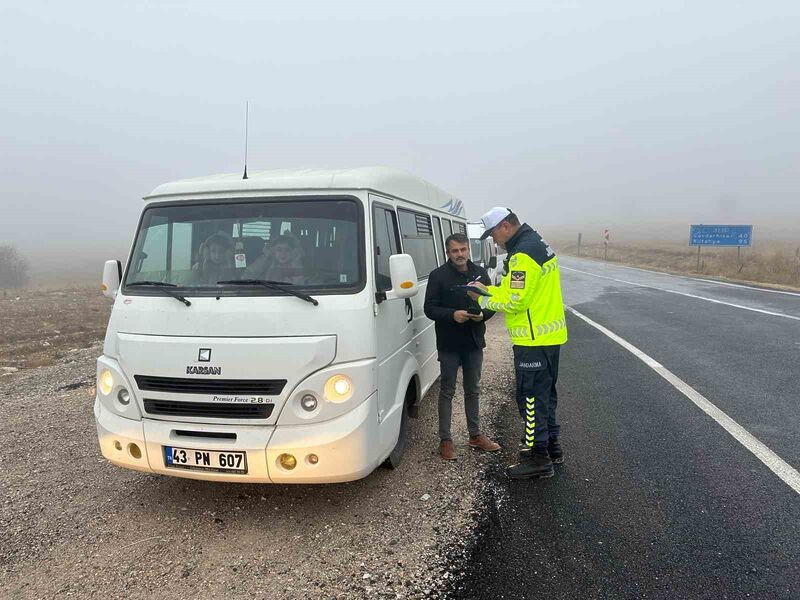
216,410
227,387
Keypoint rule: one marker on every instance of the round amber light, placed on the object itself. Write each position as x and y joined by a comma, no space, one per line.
135,451
287,461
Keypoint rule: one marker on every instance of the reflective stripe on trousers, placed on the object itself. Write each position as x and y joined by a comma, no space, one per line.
530,421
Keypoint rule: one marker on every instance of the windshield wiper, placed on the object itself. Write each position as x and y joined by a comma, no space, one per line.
280,286
161,286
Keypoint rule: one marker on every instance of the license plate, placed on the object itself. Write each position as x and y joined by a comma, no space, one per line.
205,460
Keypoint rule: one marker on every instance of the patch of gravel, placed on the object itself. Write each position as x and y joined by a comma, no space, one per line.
73,525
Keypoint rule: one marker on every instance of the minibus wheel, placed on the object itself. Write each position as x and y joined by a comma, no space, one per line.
394,458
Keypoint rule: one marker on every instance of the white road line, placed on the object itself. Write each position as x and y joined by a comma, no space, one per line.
688,295
714,281
775,463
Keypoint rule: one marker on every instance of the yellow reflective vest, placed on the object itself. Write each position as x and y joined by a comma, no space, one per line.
530,293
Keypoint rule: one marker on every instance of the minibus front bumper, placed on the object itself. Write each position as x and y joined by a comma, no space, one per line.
342,449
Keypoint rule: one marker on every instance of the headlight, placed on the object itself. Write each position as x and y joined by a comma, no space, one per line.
105,383
339,388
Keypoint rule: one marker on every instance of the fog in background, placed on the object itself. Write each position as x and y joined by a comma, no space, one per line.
637,116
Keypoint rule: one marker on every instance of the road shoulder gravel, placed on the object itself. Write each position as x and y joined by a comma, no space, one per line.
72,524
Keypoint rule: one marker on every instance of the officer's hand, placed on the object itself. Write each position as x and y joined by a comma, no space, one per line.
478,285
478,317
461,316
472,295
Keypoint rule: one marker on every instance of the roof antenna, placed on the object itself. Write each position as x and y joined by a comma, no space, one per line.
246,119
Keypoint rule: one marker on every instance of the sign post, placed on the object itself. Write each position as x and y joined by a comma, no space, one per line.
721,235
579,244
606,236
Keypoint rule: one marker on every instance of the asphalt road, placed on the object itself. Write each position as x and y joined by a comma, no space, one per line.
656,499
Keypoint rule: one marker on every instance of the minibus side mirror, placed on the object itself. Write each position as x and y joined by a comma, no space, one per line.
493,262
112,275
404,277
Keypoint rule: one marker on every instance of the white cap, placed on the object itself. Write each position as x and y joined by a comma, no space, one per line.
492,219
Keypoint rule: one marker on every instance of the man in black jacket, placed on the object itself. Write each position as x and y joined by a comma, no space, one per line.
460,341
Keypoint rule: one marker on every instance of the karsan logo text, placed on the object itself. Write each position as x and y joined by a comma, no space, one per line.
192,370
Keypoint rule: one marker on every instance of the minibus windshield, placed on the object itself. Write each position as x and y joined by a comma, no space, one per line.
310,244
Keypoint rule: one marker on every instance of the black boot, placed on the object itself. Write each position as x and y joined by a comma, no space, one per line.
555,451
531,464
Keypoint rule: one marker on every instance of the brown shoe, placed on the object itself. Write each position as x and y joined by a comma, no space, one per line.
481,442
446,450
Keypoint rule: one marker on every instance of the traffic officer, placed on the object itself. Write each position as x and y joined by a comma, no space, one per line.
530,296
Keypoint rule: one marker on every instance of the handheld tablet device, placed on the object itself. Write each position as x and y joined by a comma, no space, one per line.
472,288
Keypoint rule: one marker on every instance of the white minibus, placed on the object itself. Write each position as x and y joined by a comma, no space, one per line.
271,329
485,252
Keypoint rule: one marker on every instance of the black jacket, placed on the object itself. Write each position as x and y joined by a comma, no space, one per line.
442,301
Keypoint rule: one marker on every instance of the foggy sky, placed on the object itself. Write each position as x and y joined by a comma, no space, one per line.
580,115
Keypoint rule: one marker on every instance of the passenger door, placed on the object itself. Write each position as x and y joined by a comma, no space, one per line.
393,322
416,232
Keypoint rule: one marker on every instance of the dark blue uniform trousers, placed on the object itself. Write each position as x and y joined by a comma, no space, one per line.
536,369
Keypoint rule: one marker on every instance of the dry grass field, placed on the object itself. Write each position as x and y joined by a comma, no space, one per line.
769,262
40,327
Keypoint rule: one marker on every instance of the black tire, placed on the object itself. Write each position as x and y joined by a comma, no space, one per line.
396,456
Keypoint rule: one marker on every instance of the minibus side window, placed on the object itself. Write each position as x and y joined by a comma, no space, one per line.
437,237
448,228
386,243
417,233
476,251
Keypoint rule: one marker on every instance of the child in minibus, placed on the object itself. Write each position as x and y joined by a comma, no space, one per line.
282,260
215,260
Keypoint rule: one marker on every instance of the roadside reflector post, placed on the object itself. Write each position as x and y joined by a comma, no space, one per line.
579,244
698,259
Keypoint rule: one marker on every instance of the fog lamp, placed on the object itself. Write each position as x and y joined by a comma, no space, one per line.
287,461
339,388
105,383
124,397
135,451
312,459
117,445
309,402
